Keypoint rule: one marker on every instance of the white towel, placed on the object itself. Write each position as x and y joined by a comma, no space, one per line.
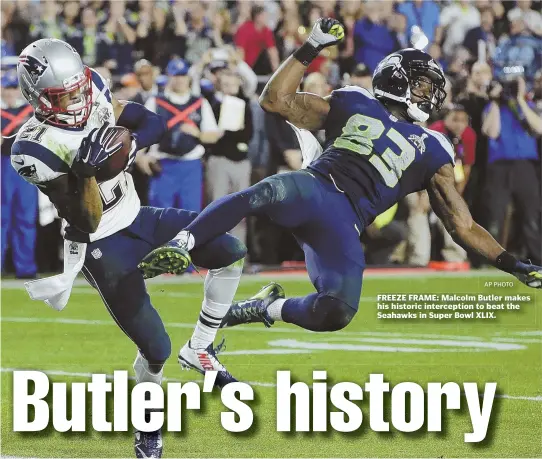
309,145
56,290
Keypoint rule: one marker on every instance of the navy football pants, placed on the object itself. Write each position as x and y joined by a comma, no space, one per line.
19,214
111,267
323,222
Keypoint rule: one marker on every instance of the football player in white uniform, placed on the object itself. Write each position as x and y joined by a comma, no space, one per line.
60,149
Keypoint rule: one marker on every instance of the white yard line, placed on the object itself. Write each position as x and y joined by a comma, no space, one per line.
277,329
263,277
537,398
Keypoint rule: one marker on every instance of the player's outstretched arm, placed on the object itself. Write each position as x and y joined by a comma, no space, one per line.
454,213
302,109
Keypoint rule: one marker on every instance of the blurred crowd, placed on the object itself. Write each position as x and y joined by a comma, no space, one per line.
202,64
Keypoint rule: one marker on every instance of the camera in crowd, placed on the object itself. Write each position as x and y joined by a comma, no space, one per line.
508,80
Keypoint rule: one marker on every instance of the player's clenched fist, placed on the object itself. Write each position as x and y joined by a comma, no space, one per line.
94,150
529,274
326,32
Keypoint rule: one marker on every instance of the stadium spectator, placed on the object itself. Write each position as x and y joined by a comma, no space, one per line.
49,23
120,28
512,126
258,43
531,18
199,34
70,19
521,48
456,20
372,39
424,14
288,36
474,99
228,166
161,36
349,13
19,198
90,43
191,123
146,76
14,30
397,23
362,77
483,34
222,28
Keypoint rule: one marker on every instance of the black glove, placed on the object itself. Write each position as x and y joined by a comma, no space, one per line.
94,150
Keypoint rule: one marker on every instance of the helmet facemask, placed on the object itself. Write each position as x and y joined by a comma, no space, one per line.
427,87
56,105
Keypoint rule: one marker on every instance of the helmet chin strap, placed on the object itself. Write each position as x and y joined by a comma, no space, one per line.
415,112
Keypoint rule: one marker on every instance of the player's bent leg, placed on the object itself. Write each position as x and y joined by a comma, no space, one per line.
130,306
318,312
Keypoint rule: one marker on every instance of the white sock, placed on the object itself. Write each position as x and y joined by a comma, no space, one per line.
185,239
219,288
275,309
143,373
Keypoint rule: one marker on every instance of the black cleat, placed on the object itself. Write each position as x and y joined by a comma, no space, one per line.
148,444
168,259
254,309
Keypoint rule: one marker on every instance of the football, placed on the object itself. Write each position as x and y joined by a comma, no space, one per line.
116,163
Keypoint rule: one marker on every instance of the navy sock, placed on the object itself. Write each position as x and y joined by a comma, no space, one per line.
220,216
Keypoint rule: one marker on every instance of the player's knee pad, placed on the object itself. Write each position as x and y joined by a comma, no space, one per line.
331,314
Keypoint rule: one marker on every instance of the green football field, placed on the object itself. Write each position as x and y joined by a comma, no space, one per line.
83,339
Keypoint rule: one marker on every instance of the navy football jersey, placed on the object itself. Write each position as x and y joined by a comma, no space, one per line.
373,157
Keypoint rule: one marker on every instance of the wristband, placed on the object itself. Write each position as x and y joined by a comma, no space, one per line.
506,262
306,53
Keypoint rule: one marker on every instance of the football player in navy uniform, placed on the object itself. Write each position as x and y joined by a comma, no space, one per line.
373,157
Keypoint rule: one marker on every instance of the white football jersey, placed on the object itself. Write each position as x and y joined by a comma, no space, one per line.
42,152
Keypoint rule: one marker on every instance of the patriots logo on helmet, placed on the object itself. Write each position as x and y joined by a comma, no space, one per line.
33,66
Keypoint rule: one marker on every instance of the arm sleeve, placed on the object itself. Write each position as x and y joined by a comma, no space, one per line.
146,126
208,120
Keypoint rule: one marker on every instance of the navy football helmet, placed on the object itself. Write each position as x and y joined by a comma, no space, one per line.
411,72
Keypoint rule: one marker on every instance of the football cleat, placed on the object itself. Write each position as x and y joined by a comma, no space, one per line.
148,444
168,259
254,309
203,360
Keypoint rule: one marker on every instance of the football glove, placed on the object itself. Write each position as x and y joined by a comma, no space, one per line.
93,151
133,152
529,274
326,32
